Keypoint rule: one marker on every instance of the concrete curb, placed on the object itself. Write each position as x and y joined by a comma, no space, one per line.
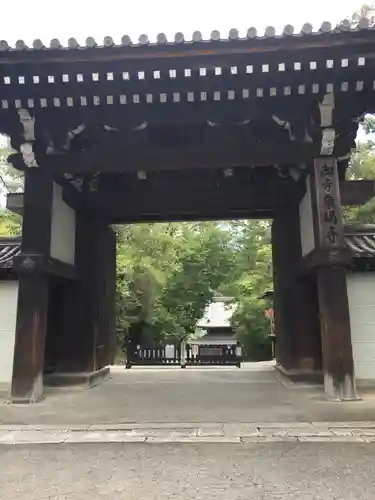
240,433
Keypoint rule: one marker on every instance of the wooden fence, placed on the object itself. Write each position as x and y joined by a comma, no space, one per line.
155,356
171,355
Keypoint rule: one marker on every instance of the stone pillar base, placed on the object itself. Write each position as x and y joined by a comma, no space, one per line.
84,380
26,401
345,390
304,376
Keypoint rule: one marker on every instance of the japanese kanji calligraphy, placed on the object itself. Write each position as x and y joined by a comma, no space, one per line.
328,202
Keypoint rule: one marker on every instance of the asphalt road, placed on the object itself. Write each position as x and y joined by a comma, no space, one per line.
130,471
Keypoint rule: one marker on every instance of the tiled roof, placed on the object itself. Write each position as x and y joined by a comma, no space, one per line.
361,240
179,38
9,248
209,338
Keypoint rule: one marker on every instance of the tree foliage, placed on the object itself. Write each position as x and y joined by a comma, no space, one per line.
11,181
362,166
253,277
168,273
366,11
362,161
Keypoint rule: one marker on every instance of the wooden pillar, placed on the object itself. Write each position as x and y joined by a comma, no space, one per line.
283,304
331,257
296,328
32,309
86,337
308,340
77,340
106,299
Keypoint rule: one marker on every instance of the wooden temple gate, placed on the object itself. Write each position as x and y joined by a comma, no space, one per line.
260,127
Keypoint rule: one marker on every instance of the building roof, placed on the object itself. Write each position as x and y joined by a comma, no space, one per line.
212,339
361,240
218,313
9,248
307,31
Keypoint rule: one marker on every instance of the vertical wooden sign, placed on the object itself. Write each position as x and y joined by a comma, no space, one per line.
328,204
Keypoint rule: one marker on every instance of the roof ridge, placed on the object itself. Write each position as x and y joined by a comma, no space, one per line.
197,37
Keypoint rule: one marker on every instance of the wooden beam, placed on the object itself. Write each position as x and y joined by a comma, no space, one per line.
61,269
170,200
182,113
186,201
112,157
204,215
356,192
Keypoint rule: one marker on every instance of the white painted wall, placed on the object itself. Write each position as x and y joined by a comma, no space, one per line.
306,221
8,312
361,295
63,228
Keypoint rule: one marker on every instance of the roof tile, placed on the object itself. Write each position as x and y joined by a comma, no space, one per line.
270,32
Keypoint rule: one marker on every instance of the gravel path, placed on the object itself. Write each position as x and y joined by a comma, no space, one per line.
132,471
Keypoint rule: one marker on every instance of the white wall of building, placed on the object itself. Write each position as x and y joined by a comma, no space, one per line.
306,221
8,312
63,228
361,295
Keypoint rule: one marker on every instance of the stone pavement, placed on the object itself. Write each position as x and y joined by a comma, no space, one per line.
255,394
318,432
220,434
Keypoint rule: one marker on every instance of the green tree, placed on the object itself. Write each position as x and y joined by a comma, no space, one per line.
362,161
362,166
366,11
144,252
167,274
10,181
205,258
253,277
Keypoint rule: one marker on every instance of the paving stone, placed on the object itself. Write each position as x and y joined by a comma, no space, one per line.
323,430
317,434
103,437
215,430
341,431
194,439
333,439
343,424
241,430
292,425
176,433
158,425
268,439
288,430
369,439
50,427
364,431
3,434
190,432
37,437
